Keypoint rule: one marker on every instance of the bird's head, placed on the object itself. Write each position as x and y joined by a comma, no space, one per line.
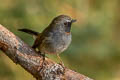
64,22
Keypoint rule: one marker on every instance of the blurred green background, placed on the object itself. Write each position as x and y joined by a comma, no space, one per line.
95,48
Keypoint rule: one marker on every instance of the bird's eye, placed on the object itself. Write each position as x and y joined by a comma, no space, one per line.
65,23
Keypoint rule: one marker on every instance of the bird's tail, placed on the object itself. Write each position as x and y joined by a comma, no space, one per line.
34,33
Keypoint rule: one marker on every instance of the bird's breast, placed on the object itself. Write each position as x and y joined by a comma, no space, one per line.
56,43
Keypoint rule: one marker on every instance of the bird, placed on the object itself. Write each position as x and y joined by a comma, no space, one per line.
55,38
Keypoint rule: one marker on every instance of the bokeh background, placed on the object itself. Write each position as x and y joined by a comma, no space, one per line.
95,48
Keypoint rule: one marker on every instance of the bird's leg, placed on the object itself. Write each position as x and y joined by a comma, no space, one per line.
39,53
61,62
43,55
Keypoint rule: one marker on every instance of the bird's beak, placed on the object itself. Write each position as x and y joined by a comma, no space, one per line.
73,20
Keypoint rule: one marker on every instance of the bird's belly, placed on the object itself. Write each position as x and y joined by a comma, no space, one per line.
55,45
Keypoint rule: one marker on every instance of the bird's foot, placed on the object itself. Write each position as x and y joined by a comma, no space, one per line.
62,64
42,65
64,68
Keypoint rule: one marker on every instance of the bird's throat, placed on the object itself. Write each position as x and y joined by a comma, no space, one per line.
68,28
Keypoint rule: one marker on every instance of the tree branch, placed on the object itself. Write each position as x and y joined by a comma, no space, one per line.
22,54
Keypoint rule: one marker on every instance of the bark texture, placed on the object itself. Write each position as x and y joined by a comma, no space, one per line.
22,54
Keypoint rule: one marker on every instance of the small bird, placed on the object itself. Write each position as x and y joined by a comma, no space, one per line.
55,38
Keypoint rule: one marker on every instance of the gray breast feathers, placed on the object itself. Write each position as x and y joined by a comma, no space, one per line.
55,43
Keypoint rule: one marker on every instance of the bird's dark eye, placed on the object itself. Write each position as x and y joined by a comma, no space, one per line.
65,23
